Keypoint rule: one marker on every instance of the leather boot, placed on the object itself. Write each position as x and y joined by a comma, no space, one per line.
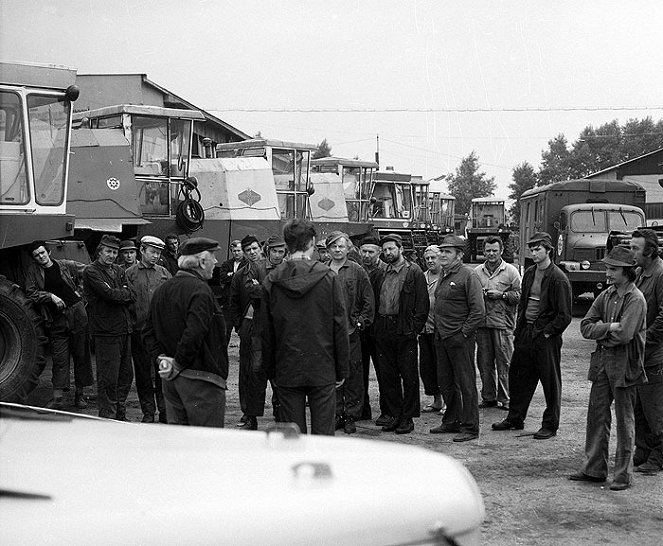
79,399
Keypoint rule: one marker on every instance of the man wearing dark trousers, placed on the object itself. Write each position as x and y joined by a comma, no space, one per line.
402,309
370,260
459,311
360,305
222,280
304,332
109,300
543,315
648,455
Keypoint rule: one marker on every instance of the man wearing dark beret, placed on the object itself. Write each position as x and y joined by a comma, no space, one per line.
185,333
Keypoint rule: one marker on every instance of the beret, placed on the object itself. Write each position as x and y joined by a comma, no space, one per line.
274,241
128,245
370,240
249,240
110,241
198,244
335,236
452,241
540,237
394,237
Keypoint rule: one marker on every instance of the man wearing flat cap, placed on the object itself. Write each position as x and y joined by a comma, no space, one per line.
370,251
459,311
144,278
185,333
111,323
245,296
401,300
617,322
127,255
360,308
543,315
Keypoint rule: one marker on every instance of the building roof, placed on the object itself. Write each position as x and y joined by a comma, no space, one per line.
140,110
599,185
264,142
638,159
334,160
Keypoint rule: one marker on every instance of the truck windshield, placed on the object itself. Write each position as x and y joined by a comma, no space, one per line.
625,220
588,221
13,181
48,119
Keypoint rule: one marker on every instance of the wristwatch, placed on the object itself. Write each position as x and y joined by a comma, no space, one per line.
503,295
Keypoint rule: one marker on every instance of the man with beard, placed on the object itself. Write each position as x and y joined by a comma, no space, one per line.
649,402
544,314
402,306
245,295
459,310
144,278
360,307
370,257
109,300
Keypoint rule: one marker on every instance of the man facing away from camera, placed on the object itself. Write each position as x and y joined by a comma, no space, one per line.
305,343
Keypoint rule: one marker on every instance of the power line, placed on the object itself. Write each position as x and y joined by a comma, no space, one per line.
434,110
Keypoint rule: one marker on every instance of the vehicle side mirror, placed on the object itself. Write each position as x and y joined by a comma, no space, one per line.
557,226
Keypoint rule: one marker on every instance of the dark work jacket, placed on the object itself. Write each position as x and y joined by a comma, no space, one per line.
414,303
555,305
304,325
459,304
186,323
223,276
244,292
109,300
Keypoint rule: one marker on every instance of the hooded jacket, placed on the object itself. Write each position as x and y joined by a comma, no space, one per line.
304,325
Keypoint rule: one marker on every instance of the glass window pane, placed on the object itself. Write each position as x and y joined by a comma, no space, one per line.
13,181
150,146
587,221
179,146
625,221
283,167
48,118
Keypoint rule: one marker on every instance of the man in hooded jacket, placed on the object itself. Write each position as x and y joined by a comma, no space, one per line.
305,345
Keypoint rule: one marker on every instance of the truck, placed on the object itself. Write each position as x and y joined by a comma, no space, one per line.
35,127
487,219
579,216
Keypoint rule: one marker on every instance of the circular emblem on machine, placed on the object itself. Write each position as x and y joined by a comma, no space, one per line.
113,184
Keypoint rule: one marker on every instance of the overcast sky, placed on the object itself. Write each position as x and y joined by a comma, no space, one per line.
439,57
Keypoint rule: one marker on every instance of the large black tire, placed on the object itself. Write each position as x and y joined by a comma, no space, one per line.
22,344
509,250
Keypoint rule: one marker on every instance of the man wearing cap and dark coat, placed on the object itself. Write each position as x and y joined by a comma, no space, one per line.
245,297
543,315
370,251
459,311
110,320
127,254
185,332
360,306
144,278
617,321
222,279
304,332
402,305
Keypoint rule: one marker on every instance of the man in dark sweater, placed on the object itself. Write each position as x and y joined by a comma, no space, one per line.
185,331
305,345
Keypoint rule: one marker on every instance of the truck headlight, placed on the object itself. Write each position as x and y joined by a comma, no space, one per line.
584,264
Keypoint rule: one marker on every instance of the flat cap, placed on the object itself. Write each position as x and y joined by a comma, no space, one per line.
452,241
150,240
620,256
198,244
110,241
127,245
540,237
273,241
335,236
370,240
249,240
392,237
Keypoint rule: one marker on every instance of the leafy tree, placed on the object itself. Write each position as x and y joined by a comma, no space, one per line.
555,161
468,183
324,150
524,178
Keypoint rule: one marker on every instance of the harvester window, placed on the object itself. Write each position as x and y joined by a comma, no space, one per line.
13,182
150,146
48,119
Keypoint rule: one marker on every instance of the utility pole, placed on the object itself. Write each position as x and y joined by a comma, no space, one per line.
377,150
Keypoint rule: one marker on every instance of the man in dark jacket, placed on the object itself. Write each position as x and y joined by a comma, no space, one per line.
305,344
185,332
459,311
222,278
54,286
109,300
402,305
169,255
543,315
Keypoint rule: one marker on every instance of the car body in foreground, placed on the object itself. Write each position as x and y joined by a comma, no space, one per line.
71,479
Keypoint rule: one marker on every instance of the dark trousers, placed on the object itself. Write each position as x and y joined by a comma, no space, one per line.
350,395
252,378
649,422
68,340
194,402
114,374
229,322
397,362
536,360
148,380
428,364
322,403
368,353
457,376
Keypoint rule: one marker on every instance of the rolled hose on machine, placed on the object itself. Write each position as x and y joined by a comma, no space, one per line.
190,214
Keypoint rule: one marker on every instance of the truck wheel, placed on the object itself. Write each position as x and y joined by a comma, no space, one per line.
509,252
22,344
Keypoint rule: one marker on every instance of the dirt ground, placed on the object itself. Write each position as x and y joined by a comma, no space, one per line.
523,481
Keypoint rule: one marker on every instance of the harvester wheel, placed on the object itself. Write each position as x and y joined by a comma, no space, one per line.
22,343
